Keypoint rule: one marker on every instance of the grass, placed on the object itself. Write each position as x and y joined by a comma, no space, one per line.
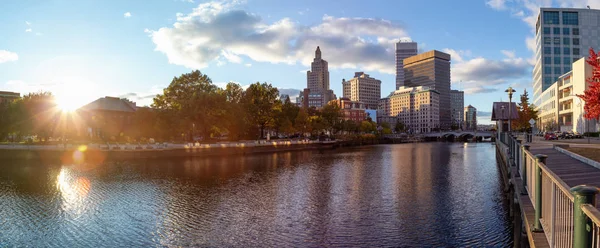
591,153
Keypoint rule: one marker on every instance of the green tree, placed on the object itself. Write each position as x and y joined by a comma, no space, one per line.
332,115
235,117
399,127
195,102
367,127
260,101
302,122
526,112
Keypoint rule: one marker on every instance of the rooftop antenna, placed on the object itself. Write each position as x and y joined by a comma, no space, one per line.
588,7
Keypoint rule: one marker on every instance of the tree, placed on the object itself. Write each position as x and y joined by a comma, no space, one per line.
591,96
399,127
332,115
195,102
367,127
260,101
302,122
526,112
235,117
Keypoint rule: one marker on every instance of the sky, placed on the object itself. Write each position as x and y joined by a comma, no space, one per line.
83,50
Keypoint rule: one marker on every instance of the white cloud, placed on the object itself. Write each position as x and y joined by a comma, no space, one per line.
457,56
497,4
28,30
248,65
6,56
479,75
509,54
231,57
28,23
216,30
127,14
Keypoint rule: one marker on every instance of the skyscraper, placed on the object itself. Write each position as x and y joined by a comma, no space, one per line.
563,35
404,50
470,118
317,93
457,104
431,69
363,88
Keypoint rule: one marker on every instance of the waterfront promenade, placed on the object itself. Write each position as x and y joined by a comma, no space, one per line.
553,193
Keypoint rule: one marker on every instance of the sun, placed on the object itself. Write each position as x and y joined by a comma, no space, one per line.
66,104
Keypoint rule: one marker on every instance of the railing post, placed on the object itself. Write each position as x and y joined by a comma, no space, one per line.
524,168
582,225
541,158
518,156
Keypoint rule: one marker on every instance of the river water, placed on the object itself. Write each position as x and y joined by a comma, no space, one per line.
411,195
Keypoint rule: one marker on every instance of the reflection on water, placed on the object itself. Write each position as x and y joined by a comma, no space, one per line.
429,194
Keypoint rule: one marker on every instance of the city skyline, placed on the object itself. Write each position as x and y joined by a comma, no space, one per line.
85,50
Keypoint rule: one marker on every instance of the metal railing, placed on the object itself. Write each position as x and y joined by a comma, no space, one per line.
567,216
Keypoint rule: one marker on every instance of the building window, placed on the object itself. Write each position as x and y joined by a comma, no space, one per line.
557,50
546,30
567,68
547,70
567,61
557,70
575,51
575,31
556,31
570,18
550,17
547,50
547,40
557,60
566,50
556,41
566,31
576,41
566,41
547,60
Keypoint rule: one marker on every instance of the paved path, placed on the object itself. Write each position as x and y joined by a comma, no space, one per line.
571,171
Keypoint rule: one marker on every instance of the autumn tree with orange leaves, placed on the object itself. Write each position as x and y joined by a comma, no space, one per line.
591,95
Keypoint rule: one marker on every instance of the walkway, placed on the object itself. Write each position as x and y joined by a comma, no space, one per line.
571,171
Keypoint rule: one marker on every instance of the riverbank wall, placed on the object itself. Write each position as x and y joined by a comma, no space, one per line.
90,154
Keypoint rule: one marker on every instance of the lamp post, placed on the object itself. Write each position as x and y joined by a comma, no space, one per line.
510,93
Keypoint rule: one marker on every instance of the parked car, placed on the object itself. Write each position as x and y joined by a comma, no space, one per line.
577,135
550,136
559,135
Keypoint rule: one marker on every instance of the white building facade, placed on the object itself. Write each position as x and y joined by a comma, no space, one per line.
563,35
561,109
363,88
417,108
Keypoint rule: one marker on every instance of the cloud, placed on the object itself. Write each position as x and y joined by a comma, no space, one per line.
127,14
248,65
457,56
28,30
479,89
497,4
528,10
509,54
478,74
6,56
215,30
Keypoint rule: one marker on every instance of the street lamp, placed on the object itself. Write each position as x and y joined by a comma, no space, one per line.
510,93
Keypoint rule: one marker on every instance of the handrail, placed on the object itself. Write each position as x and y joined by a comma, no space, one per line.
561,185
592,212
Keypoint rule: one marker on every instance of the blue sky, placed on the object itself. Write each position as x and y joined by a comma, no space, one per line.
89,49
